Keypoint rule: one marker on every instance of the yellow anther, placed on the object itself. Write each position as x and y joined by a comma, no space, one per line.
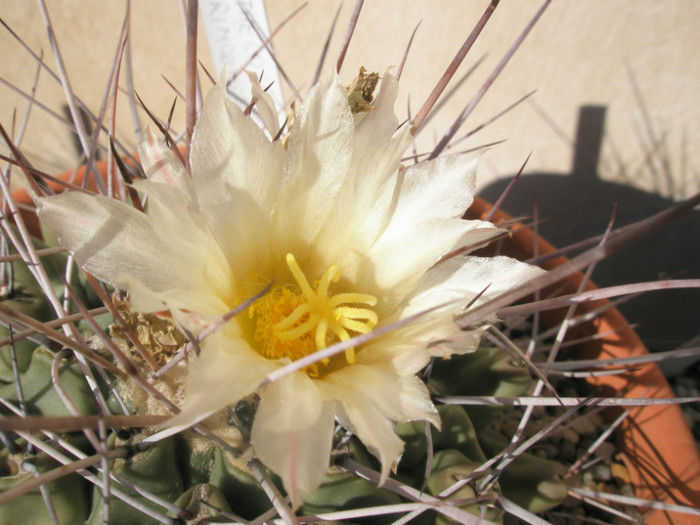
295,321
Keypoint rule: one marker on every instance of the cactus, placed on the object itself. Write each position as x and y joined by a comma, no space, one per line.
133,365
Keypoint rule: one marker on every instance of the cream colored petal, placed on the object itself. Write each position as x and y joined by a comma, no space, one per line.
457,342
381,122
401,256
439,188
172,215
226,370
119,245
478,234
300,457
289,404
398,396
400,348
162,165
453,283
364,205
439,336
463,277
319,155
264,105
237,173
458,281
178,225
374,429
425,225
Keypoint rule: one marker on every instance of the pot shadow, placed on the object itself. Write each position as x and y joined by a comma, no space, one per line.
579,206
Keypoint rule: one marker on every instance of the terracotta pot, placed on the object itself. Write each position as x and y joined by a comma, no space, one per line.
657,446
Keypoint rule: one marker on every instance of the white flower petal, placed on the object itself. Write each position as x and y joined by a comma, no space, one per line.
172,216
458,281
367,195
214,379
264,105
320,148
462,278
478,234
440,336
400,348
401,256
300,457
399,397
236,176
162,165
439,188
373,428
119,245
430,200
289,404
380,123
368,188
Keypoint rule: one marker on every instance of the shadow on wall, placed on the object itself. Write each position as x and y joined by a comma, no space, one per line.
580,204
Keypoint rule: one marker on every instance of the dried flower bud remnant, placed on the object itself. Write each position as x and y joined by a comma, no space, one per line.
361,91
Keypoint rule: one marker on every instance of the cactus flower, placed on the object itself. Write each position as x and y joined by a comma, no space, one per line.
341,237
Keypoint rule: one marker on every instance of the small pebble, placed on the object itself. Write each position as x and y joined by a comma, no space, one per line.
620,473
567,451
539,412
601,472
597,420
569,435
584,426
551,451
605,451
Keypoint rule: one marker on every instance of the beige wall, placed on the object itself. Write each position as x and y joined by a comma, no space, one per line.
579,53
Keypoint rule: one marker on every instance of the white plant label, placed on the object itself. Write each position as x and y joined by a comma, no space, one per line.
232,41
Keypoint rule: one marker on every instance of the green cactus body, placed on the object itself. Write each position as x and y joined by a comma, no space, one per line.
485,372
25,297
154,470
532,482
68,495
344,490
192,503
239,487
449,467
457,453
39,392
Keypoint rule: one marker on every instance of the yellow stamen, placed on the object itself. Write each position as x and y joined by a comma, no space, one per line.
295,321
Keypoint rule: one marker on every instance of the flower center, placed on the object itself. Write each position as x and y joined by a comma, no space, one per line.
296,320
